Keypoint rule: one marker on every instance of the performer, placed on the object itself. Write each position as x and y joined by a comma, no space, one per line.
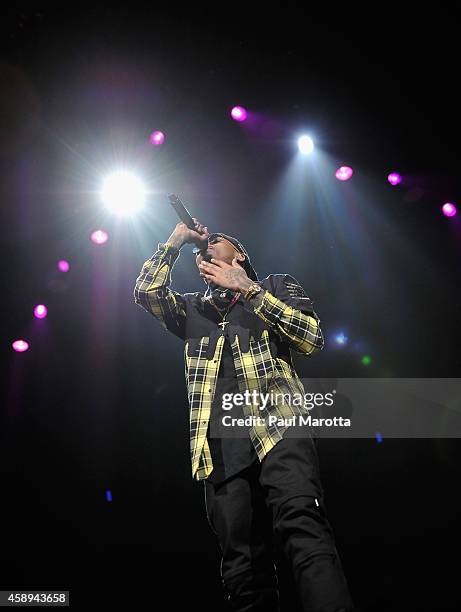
262,490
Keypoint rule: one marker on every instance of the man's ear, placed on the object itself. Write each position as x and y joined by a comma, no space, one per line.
240,257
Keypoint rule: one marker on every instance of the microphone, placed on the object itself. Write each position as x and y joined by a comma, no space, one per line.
181,211
186,218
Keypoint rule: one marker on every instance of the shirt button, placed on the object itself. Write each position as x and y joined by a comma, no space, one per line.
209,390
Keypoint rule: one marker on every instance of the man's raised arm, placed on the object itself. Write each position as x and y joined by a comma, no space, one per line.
152,289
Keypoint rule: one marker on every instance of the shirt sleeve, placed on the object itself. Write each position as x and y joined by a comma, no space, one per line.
288,310
153,293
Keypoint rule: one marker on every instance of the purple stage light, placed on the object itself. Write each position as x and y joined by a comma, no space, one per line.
394,178
63,265
239,113
20,346
157,138
40,311
99,237
344,173
449,209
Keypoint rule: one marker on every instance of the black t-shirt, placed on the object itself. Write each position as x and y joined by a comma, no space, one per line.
229,455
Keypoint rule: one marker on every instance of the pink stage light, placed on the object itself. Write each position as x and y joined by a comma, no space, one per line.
157,138
394,178
99,237
239,113
20,346
344,173
40,311
63,265
449,209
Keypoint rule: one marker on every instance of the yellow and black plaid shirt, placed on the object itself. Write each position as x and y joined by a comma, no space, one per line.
260,342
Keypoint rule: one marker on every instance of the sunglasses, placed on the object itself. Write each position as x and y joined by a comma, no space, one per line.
213,240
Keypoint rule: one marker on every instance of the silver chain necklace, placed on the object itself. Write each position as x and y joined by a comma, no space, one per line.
223,323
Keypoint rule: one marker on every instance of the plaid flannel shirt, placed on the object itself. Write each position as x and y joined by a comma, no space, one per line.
284,321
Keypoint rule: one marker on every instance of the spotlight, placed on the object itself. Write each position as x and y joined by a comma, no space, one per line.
305,145
99,237
40,311
239,113
344,173
394,178
123,193
449,209
20,346
157,138
63,265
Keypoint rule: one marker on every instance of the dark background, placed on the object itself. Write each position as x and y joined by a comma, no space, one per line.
99,401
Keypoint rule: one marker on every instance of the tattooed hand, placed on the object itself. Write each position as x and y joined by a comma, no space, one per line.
229,276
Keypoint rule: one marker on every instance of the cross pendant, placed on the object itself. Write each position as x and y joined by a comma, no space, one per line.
223,324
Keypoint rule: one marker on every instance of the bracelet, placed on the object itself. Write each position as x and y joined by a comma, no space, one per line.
251,292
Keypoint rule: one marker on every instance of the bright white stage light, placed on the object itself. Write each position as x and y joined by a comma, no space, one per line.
305,145
123,193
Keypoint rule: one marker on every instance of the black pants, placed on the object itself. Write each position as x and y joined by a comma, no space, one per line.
277,503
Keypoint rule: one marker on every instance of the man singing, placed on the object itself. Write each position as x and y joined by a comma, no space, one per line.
261,489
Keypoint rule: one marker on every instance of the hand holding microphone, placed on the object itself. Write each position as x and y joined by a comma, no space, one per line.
189,230
183,235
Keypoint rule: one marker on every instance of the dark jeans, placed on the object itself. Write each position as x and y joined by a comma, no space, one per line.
278,502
